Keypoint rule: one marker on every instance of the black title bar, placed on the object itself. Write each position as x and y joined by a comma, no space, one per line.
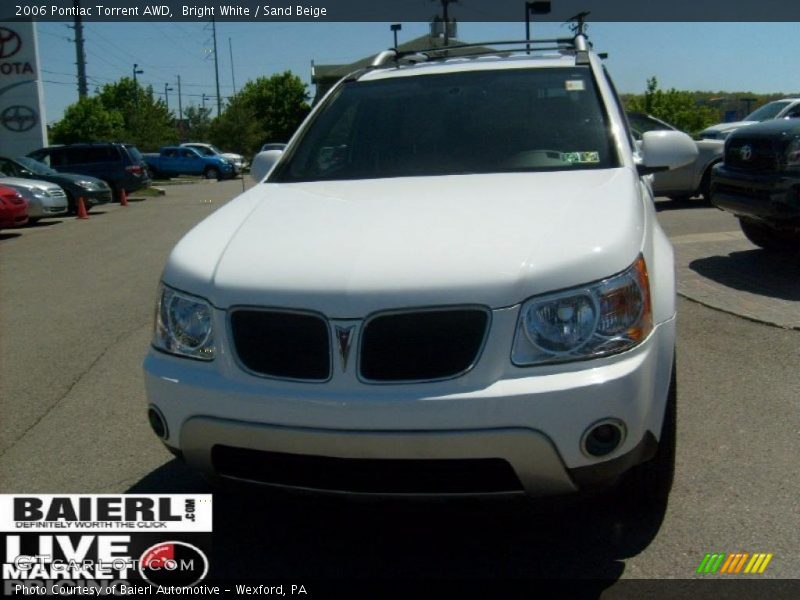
265,11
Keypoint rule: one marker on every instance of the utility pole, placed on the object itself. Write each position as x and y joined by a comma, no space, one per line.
233,79
216,65
180,101
446,21
80,53
204,102
167,90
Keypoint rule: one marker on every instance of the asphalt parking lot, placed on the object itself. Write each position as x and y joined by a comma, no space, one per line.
76,304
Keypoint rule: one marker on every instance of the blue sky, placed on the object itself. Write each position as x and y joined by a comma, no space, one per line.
756,57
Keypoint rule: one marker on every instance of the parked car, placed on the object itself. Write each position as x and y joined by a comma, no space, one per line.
120,165
93,191
211,150
683,183
44,199
391,311
759,182
786,108
176,160
13,208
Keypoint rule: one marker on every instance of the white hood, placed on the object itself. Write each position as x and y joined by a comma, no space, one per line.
714,131
348,248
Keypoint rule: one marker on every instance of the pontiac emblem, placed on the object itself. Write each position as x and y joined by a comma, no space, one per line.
746,152
344,339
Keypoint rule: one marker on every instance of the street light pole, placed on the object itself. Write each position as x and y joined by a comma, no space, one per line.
395,28
136,72
167,89
537,8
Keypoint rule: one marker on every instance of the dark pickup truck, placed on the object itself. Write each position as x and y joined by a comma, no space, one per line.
759,182
177,160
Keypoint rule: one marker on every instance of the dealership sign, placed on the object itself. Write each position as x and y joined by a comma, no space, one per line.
104,544
22,123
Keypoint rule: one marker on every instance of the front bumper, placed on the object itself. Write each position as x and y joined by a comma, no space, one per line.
39,206
773,197
532,418
95,197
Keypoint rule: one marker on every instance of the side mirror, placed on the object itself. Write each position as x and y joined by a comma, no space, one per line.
665,150
263,163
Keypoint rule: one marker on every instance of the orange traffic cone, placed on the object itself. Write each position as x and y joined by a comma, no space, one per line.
123,198
82,213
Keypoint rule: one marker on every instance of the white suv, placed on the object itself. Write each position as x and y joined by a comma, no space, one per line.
452,281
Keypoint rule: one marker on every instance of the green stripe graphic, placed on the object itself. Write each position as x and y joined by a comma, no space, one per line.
711,563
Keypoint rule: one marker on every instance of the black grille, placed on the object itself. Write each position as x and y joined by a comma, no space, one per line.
425,345
387,476
282,344
764,155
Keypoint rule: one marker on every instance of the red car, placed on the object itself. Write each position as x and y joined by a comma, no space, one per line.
13,208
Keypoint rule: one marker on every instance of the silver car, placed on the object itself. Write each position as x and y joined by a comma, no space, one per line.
45,199
786,108
685,182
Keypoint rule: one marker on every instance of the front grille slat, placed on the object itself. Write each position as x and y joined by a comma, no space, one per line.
422,345
284,345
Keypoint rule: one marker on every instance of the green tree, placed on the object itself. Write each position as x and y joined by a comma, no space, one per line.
88,120
274,105
676,107
148,123
197,122
237,128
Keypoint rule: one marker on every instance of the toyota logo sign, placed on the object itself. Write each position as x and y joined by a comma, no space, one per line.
10,43
746,152
18,118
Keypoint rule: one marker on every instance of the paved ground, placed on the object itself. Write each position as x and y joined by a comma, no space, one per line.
718,267
77,301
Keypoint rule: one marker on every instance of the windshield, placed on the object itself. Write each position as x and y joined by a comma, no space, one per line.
35,166
766,112
135,154
456,123
203,150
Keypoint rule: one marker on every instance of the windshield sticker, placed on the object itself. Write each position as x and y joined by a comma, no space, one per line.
575,85
581,157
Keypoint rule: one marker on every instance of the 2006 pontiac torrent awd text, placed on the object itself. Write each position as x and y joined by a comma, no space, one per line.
451,281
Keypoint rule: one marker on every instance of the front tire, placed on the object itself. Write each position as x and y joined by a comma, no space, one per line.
769,238
704,189
212,173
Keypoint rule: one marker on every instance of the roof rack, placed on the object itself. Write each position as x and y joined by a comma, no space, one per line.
578,44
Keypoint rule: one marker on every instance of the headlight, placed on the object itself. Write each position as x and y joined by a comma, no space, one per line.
88,185
603,318
183,325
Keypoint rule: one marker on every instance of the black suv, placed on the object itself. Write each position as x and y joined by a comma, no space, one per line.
119,165
759,182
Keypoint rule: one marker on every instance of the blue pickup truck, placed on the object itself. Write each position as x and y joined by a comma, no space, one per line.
177,160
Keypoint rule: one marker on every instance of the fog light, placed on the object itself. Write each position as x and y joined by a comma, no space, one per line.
157,422
603,437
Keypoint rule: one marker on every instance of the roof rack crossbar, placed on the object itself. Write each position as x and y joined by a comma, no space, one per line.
577,43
